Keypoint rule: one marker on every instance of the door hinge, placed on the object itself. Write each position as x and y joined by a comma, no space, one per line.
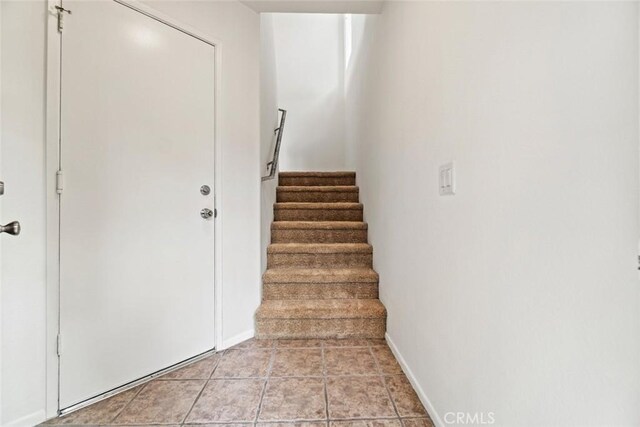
59,345
61,11
59,182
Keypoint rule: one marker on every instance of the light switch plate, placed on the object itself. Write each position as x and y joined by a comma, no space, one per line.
447,179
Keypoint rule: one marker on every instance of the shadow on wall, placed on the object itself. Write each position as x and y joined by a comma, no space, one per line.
303,149
359,32
310,61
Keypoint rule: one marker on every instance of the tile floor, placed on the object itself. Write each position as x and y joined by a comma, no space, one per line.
315,383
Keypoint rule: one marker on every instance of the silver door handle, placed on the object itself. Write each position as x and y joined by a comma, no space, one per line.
206,213
12,228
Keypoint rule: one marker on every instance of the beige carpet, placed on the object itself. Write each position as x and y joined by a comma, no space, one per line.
319,281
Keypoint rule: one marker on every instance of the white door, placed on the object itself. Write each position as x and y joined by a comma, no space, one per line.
137,144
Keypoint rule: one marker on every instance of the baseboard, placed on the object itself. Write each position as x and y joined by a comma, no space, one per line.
237,339
29,420
414,382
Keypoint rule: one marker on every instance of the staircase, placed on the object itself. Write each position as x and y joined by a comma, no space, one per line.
319,281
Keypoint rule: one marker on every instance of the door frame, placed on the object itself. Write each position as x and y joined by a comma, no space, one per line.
52,147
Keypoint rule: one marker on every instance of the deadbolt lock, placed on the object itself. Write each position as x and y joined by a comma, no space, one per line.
205,190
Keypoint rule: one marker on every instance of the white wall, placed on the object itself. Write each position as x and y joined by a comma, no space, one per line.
310,63
519,295
22,169
268,122
23,158
315,6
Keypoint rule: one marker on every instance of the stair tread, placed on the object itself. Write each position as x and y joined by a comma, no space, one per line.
320,275
332,174
321,309
319,225
319,281
318,205
318,188
319,248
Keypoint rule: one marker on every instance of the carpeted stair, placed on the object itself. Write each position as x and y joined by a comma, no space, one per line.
319,281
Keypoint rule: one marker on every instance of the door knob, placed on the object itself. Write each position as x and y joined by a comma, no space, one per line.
12,228
206,213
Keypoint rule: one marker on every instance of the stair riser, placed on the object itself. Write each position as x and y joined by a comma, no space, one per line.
300,291
320,328
319,281
331,260
318,214
319,236
316,180
317,196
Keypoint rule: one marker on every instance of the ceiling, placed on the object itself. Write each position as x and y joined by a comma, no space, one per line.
315,6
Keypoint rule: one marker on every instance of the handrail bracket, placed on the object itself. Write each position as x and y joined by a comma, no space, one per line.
273,164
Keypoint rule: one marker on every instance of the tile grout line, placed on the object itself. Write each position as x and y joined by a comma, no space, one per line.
234,351
206,381
324,382
195,401
402,374
113,420
215,366
272,360
384,383
273,349
386,418
375,360
308,420
295,376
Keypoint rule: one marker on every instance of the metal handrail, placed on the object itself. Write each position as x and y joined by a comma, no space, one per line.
273,164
